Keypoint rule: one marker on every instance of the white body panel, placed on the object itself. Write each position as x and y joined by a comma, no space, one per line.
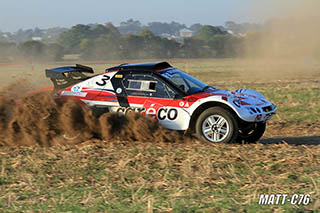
247,104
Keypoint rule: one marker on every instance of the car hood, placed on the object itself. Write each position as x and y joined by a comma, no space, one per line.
239,97
250,105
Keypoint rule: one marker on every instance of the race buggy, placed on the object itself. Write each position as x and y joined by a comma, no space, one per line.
177,100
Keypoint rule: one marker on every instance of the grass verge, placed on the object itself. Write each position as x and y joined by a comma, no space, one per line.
120,177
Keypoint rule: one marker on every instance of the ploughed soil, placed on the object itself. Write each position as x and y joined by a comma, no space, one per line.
39,119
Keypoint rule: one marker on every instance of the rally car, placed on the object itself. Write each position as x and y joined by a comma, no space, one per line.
177,100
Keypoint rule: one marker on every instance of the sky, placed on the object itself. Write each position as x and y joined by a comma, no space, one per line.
26,14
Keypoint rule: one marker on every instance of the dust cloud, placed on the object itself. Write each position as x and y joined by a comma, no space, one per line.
289,40
38,119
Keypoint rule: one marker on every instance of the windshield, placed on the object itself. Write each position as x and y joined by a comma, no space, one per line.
185,82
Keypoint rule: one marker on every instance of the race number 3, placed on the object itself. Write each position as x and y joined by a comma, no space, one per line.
104,80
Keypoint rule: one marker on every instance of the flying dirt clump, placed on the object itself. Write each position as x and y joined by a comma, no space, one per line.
6,106
38,119
77,122
35,120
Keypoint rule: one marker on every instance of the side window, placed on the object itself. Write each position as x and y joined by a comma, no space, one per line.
146,86
176,78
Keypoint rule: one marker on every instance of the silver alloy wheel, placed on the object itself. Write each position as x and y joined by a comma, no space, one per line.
215,128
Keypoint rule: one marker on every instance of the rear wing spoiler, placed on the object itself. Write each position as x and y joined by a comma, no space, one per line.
58,73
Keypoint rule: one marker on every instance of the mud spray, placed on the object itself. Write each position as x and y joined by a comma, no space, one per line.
38,119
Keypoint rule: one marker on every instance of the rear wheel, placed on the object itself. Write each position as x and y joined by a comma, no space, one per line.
216,125
251,132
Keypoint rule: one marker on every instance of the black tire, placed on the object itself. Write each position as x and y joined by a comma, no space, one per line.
214,132
252,132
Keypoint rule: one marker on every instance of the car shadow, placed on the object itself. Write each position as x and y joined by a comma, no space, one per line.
306,140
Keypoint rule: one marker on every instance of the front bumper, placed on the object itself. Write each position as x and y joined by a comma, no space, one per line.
259,114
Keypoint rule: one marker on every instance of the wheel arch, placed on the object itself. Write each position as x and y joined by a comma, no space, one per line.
206,106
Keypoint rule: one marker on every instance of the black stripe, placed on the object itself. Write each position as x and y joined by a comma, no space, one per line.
123,101
122,97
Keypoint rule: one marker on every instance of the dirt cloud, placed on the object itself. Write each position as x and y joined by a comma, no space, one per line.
287,43
292,34
38,119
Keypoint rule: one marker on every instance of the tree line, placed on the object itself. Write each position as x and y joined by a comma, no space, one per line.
106,42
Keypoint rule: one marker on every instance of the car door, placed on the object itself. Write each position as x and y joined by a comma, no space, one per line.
148,94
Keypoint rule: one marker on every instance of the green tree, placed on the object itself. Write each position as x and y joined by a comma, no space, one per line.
132,46
217,43
54,52
103,48
170,49
98,31
108,47
130,27
207,31
194,48
87,49
225,45
195,27
8,51
159,28
72,38
113,30
33,50
147,34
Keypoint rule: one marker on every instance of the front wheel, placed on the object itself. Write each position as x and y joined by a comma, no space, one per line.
251,132
216,125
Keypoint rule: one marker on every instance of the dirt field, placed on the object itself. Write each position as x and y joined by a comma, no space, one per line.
293,87
91,167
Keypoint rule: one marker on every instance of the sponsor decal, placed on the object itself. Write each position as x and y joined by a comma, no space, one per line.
99,89
282,199
125,110
119,90
152,108
165,113
183,104
156,113
71,93
76,88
